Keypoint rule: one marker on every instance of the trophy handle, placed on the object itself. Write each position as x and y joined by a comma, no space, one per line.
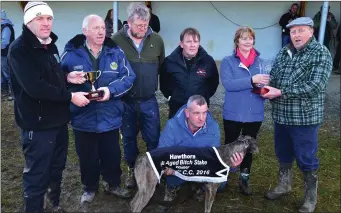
98,75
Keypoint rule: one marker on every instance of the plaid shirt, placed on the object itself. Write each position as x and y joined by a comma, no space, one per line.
302,76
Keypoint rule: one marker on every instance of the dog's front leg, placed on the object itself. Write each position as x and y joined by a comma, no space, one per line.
146,181
211,190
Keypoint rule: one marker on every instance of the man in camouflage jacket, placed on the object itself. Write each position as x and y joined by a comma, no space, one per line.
297,91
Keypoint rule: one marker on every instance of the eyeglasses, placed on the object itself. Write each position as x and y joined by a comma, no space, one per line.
141,26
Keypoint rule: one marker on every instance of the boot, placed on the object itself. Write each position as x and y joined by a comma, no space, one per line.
310,191
118,191
130,180
284,182
244,186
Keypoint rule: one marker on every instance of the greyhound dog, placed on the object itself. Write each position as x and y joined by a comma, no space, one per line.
147,180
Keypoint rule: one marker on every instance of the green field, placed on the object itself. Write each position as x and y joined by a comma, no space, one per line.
263,177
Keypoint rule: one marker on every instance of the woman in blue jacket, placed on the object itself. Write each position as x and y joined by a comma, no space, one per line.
243,110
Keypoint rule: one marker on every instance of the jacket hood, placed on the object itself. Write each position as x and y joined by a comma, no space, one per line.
175,55
79,41
180,118
4,19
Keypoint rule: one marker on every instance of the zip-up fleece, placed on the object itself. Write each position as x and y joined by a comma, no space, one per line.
178,81
240,103
146,64
41,98
116,74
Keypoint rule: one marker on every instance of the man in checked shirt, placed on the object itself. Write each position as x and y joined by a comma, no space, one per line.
298,83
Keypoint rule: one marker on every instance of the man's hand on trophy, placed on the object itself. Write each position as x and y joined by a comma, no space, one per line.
273,93
106,93
76,77
79,99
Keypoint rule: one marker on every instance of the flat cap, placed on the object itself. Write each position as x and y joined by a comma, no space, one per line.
302,21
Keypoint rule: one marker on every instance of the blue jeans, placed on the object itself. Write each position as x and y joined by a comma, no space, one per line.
297,142
138,116
285,40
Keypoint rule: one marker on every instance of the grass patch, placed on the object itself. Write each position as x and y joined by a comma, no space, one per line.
263,177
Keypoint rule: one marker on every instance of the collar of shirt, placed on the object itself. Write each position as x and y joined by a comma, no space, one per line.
204,126
47,41
131,37
92,52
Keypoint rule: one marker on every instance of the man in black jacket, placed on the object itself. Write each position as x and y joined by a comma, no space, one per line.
286,18
188,70
41,105
154,21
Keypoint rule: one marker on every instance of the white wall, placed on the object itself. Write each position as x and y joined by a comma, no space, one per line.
216,32
68,16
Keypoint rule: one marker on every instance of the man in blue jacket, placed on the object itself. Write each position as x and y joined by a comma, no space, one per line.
96,126
192,126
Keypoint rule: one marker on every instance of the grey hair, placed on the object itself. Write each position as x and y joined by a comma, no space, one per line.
139,9
85,23
198,99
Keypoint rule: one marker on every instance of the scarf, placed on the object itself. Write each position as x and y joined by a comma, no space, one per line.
249,60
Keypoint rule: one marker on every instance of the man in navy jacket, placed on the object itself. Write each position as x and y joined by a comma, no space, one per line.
96,126
188,70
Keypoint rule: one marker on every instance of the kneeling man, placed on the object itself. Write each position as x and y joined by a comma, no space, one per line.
192,126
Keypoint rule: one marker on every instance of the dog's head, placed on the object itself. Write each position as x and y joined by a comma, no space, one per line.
250,142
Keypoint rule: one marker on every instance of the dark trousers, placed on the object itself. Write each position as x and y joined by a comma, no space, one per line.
45,155
173,108
285,40
5,78
138,116
232,131
98,153
337,57
298,142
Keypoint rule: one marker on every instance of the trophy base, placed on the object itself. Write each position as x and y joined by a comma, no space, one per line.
95,95
260,91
